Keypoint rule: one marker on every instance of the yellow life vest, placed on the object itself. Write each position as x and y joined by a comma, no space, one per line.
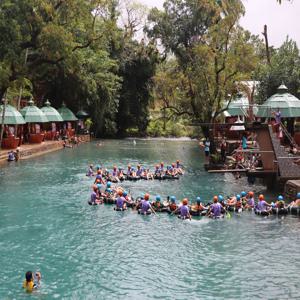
28,285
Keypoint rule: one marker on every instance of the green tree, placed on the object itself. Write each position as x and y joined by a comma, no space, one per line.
213,51
284,67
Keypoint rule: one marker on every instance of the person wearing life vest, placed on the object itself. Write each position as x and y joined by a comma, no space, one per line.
108,189
179,168
173,205
262,205
94,195
115,171
250,201
184,210
129,170
198,207
215,210
238,203
280,202
99,177
296,202
139,171
29,283
121,201
157,170
146,207
221,200
243,198
161,168
231,201
157,204
90,171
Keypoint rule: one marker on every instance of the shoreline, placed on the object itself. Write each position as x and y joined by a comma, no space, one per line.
28,151
33,150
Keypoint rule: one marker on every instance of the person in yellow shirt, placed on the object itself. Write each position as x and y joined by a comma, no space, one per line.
31,282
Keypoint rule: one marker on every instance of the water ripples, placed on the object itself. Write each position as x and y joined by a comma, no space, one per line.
96,253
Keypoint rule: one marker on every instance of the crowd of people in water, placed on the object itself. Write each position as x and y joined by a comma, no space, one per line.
117,174
217,208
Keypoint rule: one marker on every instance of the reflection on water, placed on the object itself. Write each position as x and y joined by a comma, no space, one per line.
88,252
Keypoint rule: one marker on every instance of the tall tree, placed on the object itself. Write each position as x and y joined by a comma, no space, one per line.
213,51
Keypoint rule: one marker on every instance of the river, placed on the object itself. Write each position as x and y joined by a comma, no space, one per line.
89,252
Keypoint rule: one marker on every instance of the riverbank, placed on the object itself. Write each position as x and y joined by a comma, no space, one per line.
33,150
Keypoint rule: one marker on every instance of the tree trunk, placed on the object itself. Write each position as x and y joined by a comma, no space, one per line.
265,34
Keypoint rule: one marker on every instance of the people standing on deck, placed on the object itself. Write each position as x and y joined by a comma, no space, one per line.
277,116
207,148
244,141
223,150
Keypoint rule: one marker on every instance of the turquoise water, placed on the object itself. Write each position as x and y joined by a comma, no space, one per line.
89,252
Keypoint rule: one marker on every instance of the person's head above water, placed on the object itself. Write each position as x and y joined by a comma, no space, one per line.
28,276
185,201
173,199
108,184
198,200
147,196
280,198
215,199
157,198
261,197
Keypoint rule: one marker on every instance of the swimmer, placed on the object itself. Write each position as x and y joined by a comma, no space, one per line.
139,171
121,202
94,195
90,171
280,202
250,201
99,177
296,202
29,283
262,205
238,203
146,207
184,210
157,206
198,207
215,210
244,198
172,205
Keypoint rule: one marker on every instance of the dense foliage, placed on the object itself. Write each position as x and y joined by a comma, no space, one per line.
78,52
